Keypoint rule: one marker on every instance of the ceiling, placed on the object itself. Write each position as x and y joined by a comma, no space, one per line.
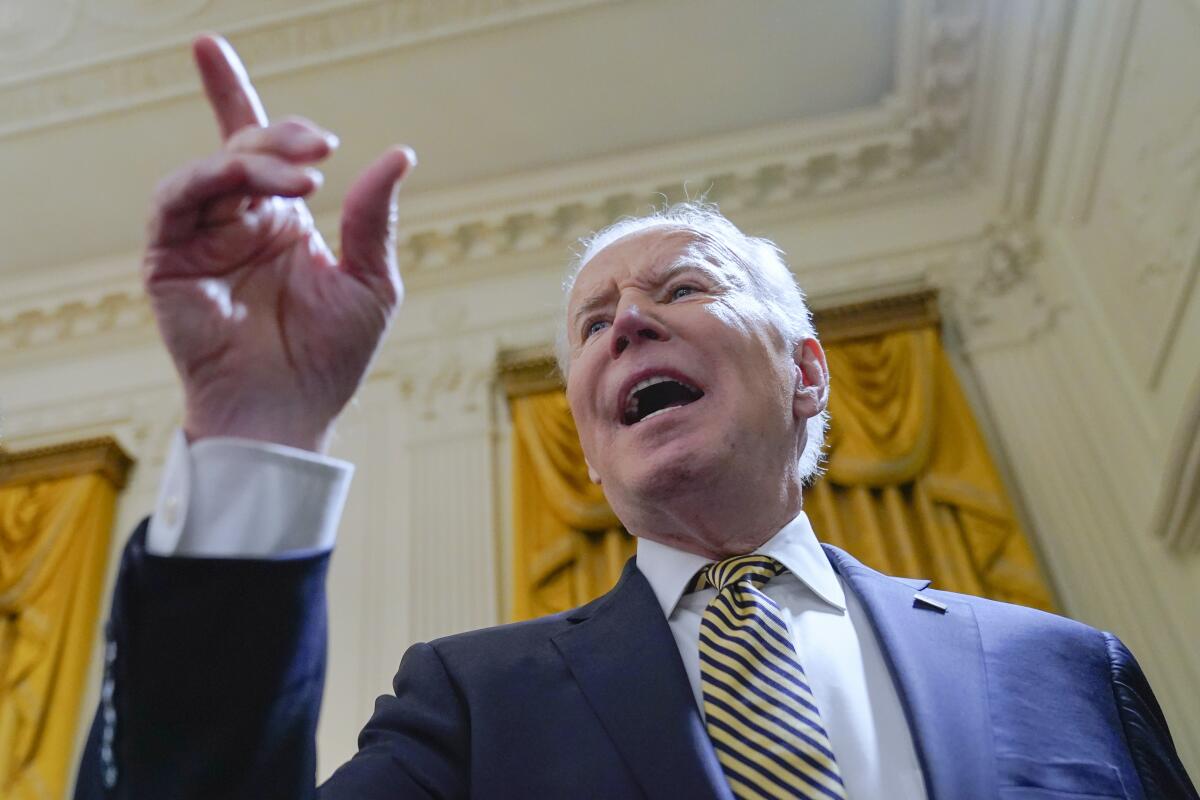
98,100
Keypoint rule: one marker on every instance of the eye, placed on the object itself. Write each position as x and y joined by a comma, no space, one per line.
595,326
680,292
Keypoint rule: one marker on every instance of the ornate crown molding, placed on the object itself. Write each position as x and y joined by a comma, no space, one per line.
914,141
23,330
528,370
101,455
335,32
996,297
877,316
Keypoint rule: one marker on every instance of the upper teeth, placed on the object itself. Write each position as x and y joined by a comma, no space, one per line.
631,399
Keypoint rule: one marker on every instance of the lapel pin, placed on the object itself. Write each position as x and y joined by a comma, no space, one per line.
922,601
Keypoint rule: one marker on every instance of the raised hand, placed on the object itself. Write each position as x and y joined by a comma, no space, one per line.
270,333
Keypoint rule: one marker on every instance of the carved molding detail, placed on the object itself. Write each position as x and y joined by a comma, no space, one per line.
810,176
877,316
22,330
925,138
321,36
446,385
996,297
528,370
103,455
914,142
985,285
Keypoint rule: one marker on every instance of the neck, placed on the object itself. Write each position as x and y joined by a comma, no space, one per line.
715,522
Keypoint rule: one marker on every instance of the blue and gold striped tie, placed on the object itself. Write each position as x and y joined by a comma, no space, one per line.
761,715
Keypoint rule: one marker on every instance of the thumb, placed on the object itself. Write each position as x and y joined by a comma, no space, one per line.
369,222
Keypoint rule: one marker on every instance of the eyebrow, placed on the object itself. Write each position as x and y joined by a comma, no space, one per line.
683,263
594,301
687,263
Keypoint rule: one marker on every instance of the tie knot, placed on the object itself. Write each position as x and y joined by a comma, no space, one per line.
753,569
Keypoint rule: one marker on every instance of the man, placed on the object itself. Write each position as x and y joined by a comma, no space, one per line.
735,658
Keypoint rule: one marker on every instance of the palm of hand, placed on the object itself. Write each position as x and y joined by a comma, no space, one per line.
270,334
262,318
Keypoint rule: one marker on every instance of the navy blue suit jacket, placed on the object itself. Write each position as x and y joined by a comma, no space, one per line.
215,672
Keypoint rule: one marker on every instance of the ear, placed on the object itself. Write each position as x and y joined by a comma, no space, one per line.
592,474
811,395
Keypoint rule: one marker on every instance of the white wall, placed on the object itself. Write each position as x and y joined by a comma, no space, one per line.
1038,162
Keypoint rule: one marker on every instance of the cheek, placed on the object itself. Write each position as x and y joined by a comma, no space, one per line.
729,313
583,396
741,313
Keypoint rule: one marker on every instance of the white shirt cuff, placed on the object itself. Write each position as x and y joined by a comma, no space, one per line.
238,498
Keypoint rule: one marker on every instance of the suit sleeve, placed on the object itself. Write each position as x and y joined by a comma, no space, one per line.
423,726
213,680
1146,733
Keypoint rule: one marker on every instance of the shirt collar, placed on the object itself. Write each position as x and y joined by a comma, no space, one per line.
669,570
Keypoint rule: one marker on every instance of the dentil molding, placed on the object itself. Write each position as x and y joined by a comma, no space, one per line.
445,375
912,138
23,330
913,142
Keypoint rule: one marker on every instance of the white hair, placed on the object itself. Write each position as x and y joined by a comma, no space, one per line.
768,275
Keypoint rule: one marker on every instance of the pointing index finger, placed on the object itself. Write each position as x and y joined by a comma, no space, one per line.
230,93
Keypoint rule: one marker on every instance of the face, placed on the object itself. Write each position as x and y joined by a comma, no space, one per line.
677,377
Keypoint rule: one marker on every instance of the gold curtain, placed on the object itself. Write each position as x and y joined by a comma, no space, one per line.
910,487
568,545
56,517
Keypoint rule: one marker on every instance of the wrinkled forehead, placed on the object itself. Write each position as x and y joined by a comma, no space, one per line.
654,249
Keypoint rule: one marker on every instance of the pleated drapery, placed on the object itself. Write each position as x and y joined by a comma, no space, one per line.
56,518
569,546
910,488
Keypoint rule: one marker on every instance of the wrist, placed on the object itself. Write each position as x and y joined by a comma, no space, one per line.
275,429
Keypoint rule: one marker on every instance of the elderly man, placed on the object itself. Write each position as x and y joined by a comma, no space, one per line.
735,658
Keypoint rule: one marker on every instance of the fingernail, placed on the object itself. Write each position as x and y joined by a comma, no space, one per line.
332,140
411,155
315,176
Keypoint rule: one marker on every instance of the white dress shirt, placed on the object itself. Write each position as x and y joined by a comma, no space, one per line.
236,498
835,643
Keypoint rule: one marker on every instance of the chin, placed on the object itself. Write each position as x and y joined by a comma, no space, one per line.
672,471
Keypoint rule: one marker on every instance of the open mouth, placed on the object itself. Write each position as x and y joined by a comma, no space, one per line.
656,395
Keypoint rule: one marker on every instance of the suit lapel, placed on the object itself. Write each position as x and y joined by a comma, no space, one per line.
936,660
621,653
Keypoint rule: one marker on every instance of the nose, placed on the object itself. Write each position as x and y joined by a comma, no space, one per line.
631,326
